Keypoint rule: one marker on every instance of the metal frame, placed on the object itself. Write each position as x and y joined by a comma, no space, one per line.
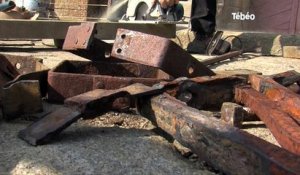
55,29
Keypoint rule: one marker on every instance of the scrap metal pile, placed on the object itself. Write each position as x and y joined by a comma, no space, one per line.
199,108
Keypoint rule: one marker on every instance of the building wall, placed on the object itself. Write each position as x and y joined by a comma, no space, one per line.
79,9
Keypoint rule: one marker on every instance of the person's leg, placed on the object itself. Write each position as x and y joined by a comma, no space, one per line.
203,23
203,17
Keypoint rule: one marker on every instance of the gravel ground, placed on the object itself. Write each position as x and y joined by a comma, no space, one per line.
114,143
111,144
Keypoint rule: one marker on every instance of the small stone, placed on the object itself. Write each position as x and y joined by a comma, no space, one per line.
291,51
186,152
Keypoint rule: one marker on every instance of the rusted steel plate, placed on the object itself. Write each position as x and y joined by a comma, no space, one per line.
157,52
7,71
85,105
49,126
285,98
79,37
25,64
229,149
21,97
79,77
283,127
82,40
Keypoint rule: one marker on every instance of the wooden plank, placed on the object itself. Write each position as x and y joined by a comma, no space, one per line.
26,29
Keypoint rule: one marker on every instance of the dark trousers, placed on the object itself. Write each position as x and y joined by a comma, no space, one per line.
203,17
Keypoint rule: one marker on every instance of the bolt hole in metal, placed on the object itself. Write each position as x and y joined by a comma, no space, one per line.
123,36
191,70
119,50
18,65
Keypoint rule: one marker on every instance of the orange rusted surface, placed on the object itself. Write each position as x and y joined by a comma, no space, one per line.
285,98
283,127
231,150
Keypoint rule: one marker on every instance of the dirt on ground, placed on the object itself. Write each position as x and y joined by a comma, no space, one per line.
114,143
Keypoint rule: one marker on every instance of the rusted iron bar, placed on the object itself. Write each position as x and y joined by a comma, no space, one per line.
157,52
287,78
81,76
57,29
286,99
207,92
283,127
220,58
87,104
229,149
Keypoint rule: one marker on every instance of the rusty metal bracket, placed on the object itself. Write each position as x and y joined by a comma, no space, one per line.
82,76
231,150
283,127
79,37
25,64
157,52
90,103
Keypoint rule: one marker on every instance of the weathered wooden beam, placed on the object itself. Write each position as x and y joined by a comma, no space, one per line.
285,98
42,29
283,127
227,148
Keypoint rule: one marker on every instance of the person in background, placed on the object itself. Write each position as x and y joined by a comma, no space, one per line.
203,22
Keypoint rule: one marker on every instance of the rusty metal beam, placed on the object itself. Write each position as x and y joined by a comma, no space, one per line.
231,150
157,52
283,127
81,76
220,58
58,29
285,98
